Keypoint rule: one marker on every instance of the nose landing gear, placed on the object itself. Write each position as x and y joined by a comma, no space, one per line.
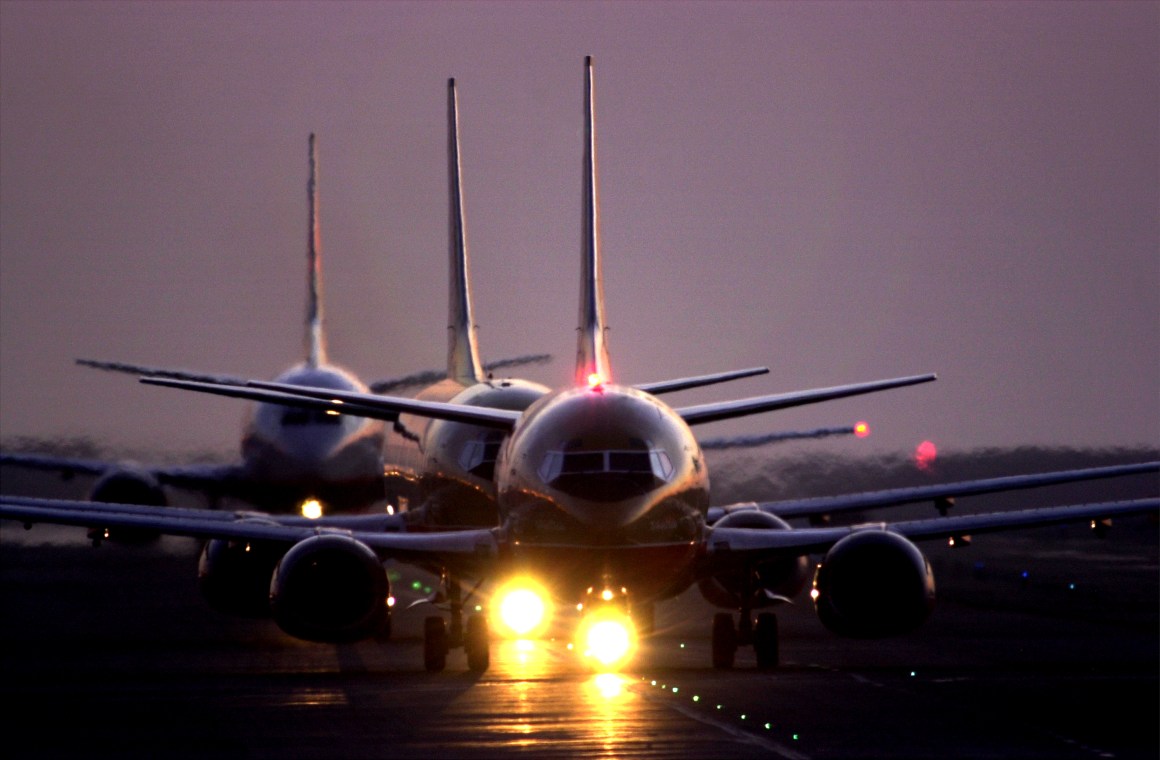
439,638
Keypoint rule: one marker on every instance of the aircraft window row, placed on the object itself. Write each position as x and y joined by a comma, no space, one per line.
653,462
296,417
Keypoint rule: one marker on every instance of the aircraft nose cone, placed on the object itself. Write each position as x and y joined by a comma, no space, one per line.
607,515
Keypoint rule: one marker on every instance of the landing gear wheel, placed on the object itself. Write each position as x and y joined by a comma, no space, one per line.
476,643
724,641
434,644
765,644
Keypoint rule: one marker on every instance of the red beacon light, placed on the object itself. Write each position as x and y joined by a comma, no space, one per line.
862,429
925,454
595,381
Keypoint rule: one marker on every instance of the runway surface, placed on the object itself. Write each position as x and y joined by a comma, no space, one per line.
111,653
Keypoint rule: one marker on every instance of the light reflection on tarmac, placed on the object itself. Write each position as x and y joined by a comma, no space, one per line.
115,652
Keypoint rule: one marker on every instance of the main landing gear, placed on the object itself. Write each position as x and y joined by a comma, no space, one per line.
727,638
439,638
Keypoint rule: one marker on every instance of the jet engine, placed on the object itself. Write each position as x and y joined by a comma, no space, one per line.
873,583
769,582
234,575
331,588
127,485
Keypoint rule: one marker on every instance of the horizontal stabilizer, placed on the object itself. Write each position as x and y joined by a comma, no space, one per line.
430,377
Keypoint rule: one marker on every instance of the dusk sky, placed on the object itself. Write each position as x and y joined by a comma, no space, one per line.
840,191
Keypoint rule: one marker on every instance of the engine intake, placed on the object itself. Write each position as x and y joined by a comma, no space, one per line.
873,583
330,588
126,485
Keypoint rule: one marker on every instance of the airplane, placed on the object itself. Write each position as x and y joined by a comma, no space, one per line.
292,460
604,507
450,465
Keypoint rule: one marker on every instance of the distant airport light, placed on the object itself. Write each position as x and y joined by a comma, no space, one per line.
861,429
311,509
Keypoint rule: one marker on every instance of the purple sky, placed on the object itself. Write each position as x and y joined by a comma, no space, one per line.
844,192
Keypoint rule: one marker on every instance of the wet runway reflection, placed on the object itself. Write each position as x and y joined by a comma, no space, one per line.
117,647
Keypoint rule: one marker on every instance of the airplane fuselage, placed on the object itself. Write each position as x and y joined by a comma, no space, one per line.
603,486
301,454
452,464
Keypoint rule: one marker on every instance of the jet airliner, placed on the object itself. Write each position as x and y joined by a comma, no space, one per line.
604,504
292,460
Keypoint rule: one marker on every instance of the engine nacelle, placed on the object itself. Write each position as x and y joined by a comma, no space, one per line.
873,583
781,578
126,485
234,575
330,588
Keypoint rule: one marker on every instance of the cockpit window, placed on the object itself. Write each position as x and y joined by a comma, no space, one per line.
296,417
478,455
610,474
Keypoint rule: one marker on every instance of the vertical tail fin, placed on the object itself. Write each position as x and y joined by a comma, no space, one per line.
592,364
463,362
315,342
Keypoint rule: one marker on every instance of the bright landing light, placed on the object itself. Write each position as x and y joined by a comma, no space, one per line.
608,639
522,608
311,508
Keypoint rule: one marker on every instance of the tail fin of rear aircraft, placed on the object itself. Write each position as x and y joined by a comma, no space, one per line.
592,364
463,363
315,342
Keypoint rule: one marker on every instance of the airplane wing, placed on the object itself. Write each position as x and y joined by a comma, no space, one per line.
103,511
724,410
208,478
378,386
669,386
752,441
750,545
340,402
67,466
389,407
176,374
944,492
458,548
